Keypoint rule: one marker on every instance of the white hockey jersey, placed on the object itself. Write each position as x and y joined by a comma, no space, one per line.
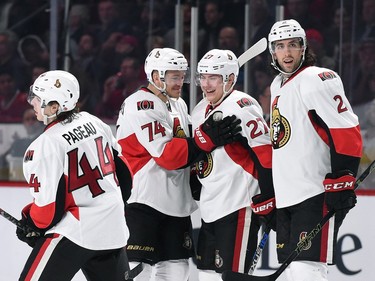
301,151
70,168
228,174
154,147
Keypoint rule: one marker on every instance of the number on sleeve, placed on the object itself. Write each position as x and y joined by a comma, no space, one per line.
256,129
341,106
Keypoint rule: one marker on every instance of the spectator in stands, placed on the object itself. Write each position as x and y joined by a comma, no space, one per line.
13,102
368,19
316,45
261,21
120,86
37,69
300,11
261,77
362,70
9,60
213,22
109,21
229,39
78,24
169,36
32,49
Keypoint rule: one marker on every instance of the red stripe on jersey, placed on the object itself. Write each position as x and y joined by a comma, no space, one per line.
241,157
175,154
264,154
348,141
39,257
136,155
42,216
239,237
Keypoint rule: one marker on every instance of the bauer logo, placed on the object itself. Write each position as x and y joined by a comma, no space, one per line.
145,105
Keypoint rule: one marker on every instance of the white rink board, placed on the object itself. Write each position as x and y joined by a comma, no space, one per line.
357,232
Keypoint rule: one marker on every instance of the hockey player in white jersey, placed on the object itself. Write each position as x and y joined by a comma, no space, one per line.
230,175
78,207
153,131
317,147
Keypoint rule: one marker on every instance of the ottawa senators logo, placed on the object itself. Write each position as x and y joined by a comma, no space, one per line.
188,242
204,166
244,102
305,245
218,259
280,128
178,132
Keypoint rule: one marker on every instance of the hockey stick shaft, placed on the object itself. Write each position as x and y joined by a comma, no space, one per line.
10,218
259,250
131,274
258,48
235,276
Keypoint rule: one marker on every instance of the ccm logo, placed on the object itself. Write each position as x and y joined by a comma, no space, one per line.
200,136
338,185
263,208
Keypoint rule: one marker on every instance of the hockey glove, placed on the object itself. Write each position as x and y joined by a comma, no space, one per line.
265,208
339,190
27,234
217,133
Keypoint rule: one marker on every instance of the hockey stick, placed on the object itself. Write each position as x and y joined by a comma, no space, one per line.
258,48
259,250
18,223
236,276
131,274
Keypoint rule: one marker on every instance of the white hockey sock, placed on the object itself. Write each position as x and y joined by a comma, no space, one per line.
209,275
307,271
145,275
173,270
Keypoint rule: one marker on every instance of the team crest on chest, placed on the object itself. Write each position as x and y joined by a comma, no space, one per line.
204,166
280,128
178,132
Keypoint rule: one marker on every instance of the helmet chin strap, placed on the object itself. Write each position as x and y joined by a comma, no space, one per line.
46,117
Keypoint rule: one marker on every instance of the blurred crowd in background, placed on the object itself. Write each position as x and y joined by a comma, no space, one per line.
105,43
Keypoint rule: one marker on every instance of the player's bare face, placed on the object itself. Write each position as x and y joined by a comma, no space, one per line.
174,80
288,54
212,86
35,102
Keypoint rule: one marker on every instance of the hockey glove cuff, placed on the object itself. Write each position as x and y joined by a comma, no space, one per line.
265,208
339,188
26,233
217,133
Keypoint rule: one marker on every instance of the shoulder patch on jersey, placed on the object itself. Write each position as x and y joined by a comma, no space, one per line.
29,156
327,75
145,105
244,102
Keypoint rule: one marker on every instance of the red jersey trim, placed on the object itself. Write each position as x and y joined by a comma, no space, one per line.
264,154
42,216
237,153
347,141
175,154
134,153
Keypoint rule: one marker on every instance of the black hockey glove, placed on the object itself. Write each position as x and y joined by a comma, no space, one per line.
27,234
213,133
339,190
265,208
